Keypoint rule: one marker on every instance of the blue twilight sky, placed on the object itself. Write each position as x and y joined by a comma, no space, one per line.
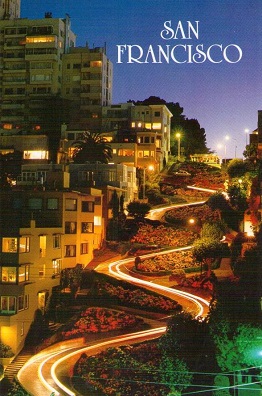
224,97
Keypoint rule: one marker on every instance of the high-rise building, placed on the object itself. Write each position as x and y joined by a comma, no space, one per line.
9,9
45,80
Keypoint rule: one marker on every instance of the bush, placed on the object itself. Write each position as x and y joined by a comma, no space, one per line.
5,351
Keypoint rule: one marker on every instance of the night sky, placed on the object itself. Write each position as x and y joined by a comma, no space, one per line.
224,97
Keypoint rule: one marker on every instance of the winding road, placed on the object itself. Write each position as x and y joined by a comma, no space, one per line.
49,371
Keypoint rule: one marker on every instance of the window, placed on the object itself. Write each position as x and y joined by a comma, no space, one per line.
20,303
84,248
42,245
8,275
147,139
87,206
70,250
70,204
35,203
87,227
23,273
8,304
56,241
97,200
157,113
156,125
52,203
57,265
97,221
24,245
70,227
9,245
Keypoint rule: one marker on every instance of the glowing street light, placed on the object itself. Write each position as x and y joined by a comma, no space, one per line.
246,132
178,136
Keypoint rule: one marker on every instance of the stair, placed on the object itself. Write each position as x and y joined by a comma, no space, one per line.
18,362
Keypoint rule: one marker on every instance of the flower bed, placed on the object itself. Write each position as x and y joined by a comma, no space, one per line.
167,262
136,298
128,370
97,320
163,236
199,212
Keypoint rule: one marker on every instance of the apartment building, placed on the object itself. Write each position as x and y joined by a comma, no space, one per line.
46,80
87,83
9,9
41,233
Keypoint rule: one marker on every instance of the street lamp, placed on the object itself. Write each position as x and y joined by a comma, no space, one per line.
226,138
178,136
246,132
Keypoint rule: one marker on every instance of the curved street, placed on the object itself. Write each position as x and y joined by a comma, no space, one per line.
49,371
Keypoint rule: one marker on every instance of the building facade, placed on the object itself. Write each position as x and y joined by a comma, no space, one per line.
45,80
41,233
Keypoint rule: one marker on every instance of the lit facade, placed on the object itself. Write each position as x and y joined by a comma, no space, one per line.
31,68
41,233
87,82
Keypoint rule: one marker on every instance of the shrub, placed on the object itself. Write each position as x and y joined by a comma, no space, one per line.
5,351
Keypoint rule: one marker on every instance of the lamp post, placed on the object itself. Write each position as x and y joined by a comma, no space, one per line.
178,135
226,138
246,132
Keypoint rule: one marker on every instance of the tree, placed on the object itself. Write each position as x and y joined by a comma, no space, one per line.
138,209
214,230
206,250
236,168
174,374
114,204
91,148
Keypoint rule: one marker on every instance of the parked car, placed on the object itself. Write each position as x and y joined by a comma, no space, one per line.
182,173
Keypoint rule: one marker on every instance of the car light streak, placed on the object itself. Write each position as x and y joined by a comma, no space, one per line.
115,270
152,332
174,206
202,189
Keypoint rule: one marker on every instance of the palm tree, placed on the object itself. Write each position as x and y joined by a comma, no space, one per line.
92,147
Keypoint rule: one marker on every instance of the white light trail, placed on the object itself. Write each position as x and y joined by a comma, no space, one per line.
152,332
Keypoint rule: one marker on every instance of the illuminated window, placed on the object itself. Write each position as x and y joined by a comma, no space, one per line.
42,245
139,124
87,227
95,63
9,245
97,220
133,125
7,126
148,125
24,244
40,39
84,248
8,304
8,275
33,154
146,153
57,265
70,204
70,250
56,241
156,125
114,151
23,273
70,227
